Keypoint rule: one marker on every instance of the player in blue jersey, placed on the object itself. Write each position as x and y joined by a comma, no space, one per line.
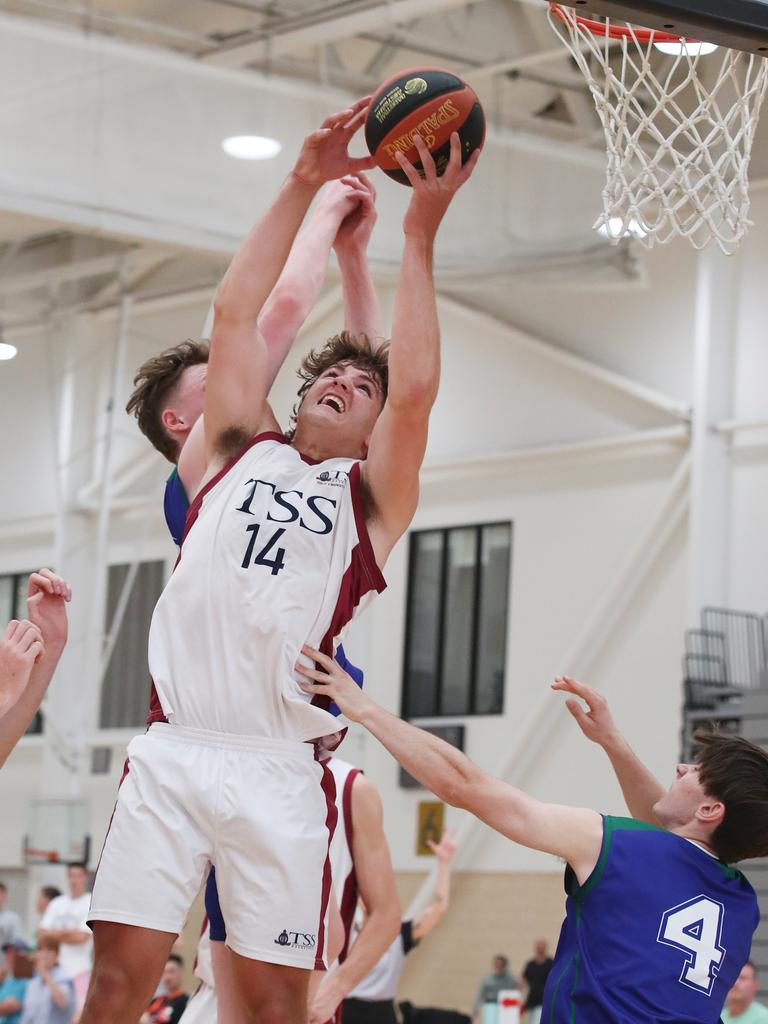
658,922
169,393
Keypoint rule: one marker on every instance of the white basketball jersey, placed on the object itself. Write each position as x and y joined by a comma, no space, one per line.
342,863
275,554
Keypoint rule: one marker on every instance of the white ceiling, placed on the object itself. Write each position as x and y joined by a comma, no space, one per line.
112,114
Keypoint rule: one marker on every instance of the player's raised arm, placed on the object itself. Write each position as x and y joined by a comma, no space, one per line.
362,312
47,595
399,439
640,788
299,285
572,833
238,371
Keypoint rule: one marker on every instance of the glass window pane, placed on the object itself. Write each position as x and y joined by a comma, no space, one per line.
6,600
459,613
21,595
492,633
126,686
420,682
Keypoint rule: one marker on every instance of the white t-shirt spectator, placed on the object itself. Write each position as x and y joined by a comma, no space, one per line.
66,914
10,931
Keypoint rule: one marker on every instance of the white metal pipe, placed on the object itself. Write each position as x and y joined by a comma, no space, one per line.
740,426
600,624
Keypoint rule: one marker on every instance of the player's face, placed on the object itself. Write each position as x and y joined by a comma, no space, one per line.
679,804
344,403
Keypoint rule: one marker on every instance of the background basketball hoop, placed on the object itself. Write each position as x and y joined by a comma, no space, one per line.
678,128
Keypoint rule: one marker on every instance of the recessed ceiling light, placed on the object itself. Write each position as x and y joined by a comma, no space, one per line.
7,351
251,147
693,48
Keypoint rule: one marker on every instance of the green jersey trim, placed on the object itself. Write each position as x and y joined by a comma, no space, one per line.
610,826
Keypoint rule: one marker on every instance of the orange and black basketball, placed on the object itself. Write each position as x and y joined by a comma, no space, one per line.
430,102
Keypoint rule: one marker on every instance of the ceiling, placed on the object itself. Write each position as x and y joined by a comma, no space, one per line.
296,53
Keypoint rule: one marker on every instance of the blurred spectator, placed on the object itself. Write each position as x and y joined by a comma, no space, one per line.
65,920
50,997
535,974
740,1006
14,987
168,1007
10,924
44,897
497,981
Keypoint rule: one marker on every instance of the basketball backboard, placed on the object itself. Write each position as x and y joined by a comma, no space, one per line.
736,24
58,832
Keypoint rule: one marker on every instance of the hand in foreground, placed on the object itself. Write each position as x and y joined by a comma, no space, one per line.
341,198
47,595
330,680
597,722
432,195
445,850
326,1000
355,230
324,155
20,647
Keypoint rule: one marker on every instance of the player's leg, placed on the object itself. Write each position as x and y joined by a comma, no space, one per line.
227,988
270,993
127,963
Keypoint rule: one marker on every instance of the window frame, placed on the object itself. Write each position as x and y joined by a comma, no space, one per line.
436,715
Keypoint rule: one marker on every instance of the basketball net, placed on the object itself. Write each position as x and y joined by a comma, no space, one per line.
678,129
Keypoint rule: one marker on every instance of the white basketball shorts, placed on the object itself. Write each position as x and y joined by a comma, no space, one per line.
261,810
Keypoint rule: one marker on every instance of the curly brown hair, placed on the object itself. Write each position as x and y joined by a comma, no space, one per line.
154,381
356,349
735,771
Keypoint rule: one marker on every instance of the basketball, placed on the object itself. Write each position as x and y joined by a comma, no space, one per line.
431,102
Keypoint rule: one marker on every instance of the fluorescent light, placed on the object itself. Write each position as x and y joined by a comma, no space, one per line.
613,229
251,147
7,351
693,48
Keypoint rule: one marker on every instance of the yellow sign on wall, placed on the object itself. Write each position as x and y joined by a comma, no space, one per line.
430,825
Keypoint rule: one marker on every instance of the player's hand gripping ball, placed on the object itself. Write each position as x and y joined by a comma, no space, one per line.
429,102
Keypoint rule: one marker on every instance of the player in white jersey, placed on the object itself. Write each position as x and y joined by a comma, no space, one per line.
361,866
228,778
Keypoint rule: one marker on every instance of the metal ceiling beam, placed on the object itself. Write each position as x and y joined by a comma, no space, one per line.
313,30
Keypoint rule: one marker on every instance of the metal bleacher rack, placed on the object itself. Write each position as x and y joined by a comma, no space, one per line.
726,683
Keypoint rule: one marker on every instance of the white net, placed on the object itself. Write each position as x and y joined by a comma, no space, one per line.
678,127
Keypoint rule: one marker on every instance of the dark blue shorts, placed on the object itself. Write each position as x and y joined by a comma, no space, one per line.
217,928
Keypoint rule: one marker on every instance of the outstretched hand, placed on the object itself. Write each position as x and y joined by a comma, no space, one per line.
330,680
432,194
445,850
324,155
597,722
47,595
355,230
21,645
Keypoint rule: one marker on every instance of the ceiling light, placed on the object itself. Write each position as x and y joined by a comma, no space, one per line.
693,48
7,351
615,229
251,147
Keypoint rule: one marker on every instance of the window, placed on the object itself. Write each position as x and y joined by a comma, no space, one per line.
13,605
125,688
456,625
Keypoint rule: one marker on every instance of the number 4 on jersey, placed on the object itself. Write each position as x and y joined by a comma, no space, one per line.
695,928
260,558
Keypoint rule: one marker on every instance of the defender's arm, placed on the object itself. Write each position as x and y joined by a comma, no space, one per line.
574,834
238,370
640,787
